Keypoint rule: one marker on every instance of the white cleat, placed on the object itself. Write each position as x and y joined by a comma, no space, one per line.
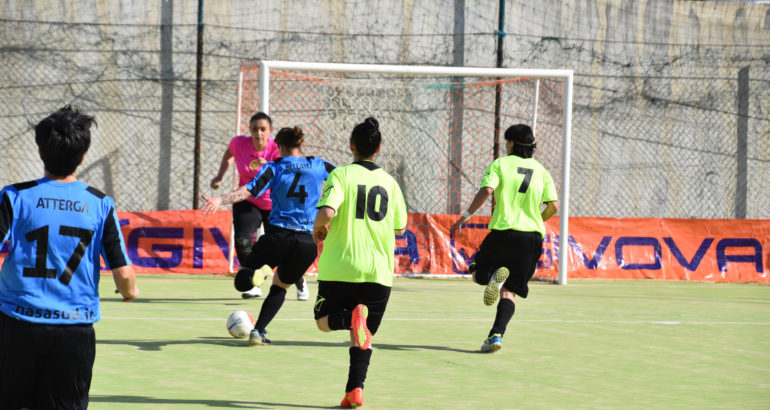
303,294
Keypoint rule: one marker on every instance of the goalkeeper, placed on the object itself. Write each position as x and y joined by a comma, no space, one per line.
508,255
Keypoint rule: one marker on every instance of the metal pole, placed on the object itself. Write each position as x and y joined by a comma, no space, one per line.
741,157
498,87
198,107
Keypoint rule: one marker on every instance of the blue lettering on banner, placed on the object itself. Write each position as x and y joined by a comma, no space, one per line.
461,253
752,243
592,263
692,265
638,241
222,243
754,258
175,251
410,248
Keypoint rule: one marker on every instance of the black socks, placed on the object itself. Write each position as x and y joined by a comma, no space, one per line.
270,307
359,364
505,309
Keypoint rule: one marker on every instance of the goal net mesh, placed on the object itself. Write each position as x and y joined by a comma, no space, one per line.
438,131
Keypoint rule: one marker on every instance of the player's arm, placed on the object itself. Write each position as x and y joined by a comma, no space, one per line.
125,282
324,216
213,203
551,208
6,216
114,252
482,196
224,164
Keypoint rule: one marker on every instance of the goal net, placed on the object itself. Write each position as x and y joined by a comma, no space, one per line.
442,126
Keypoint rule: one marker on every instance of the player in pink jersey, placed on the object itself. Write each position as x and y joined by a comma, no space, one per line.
249,154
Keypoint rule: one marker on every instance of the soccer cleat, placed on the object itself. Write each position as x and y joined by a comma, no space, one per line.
353,398
254,292
303,294
358,330
256,338
260,275
492,291
492,343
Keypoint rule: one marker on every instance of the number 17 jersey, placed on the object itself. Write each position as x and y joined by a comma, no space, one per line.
57,232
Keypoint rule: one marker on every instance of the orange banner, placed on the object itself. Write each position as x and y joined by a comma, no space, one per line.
606,248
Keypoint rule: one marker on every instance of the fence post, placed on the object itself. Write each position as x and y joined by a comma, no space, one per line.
741,155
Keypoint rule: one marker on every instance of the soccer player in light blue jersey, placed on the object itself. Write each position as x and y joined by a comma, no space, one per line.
57,227
295,184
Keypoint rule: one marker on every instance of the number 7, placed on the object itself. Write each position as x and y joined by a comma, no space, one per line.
527,177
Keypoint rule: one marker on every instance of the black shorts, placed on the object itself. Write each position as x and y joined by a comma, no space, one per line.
291,251
247,218
45,366
336,296
517,251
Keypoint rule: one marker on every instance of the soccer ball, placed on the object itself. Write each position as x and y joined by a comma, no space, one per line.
239,324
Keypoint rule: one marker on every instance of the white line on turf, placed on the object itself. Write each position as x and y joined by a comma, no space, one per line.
628,322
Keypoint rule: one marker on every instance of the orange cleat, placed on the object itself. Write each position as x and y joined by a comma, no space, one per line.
353,398
358,329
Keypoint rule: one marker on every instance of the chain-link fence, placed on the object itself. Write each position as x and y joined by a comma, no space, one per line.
670,111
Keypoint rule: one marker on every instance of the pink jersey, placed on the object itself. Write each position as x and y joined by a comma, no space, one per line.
247,165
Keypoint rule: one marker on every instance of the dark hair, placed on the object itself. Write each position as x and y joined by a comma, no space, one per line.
261,116
63,138
366,137
523,140
290,137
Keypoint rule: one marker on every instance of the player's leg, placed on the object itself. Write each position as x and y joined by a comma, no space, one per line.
334,305
374,298
488,265
246,220
299,252
19,350
258,265
70,356
526,248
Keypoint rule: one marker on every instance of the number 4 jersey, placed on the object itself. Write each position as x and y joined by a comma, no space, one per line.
369,206
57,231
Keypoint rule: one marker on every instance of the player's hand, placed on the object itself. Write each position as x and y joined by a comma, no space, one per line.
261,161
319,233
215,182
132,296
458,226
211,204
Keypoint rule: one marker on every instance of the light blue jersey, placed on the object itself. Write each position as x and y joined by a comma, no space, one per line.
295,186
57,231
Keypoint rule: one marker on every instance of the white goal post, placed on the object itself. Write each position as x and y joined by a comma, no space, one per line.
437,98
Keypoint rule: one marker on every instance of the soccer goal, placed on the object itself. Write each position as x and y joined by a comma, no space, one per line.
445,124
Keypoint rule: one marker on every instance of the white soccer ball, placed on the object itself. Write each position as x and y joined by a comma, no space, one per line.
239,324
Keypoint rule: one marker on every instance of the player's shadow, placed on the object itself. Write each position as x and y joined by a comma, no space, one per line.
380,346
157,345
95,398
172,300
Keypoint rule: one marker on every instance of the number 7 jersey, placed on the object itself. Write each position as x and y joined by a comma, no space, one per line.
57,231
520,185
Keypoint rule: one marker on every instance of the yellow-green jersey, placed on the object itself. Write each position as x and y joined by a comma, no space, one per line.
521,185
361,241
